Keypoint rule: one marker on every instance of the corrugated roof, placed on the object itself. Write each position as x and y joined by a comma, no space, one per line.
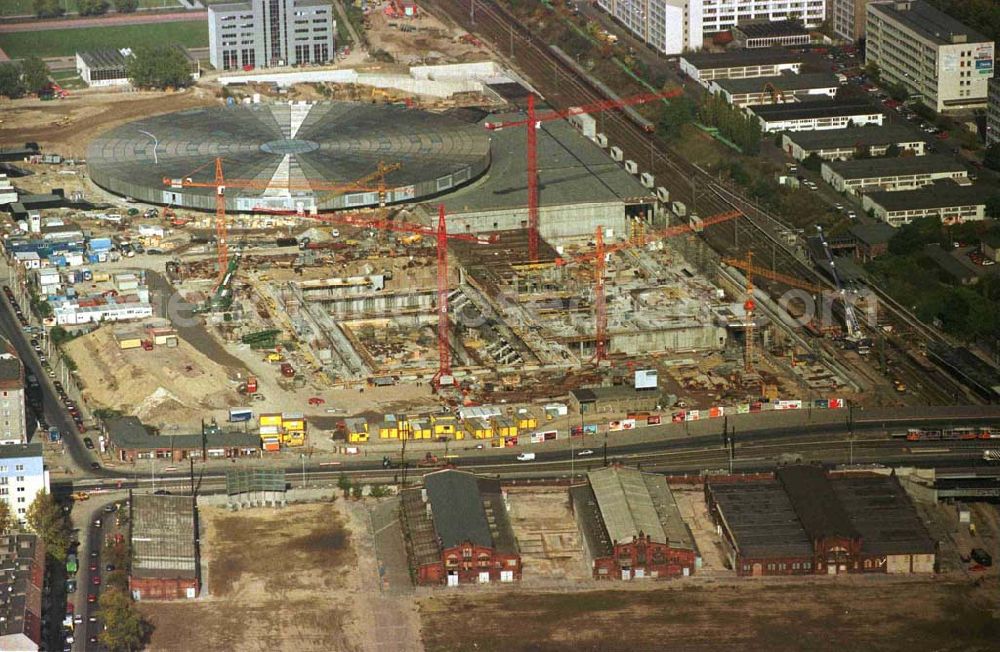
163,536
457,508
815,502
938,195
813,109
762,56
761,519
883,514
863,168
785,82
854,136
625,504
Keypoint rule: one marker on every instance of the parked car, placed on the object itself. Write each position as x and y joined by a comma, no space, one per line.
89,443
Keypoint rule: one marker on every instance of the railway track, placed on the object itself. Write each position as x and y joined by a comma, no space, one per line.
563,87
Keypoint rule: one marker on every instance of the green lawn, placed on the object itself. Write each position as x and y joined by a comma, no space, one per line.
26,7
66,42
68,79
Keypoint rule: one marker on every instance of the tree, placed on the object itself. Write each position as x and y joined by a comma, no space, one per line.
991,158
126,6
46,519
379,491
158,66
812,162
872,71
47,8
34,74
674,116
11,84
344,483
6,518
893,151
357,492
124,628
993,206
92,7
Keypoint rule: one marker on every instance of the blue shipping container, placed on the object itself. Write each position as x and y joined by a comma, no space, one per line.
54,434
240,414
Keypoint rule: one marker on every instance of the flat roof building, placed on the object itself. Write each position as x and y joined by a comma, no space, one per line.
615,398
767,33
993,112
22,565
952,203
23,476
871,240
903,173
459,531
107,66
806,521
834,144
789,87
667,26
703,67
128,440
847,18
631,526
720,15
164,542
13,430
816,115
262,34
935,57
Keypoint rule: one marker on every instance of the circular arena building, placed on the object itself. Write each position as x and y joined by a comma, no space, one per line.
288,156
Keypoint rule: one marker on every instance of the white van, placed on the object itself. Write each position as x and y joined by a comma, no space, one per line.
525,457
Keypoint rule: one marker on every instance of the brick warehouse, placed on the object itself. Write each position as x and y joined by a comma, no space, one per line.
164,548
805,521
631,525
459,530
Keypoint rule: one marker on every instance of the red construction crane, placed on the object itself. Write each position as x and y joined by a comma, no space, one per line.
600,255
532,123
220,183
443,376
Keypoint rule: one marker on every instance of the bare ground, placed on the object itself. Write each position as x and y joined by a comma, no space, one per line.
856,613
278,580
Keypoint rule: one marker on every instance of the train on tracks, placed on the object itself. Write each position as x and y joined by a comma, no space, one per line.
949,434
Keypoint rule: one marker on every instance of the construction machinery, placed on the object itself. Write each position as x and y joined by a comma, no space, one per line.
533,122
601,253
855,337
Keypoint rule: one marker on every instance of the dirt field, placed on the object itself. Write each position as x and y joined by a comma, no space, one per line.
547,535
163,387
67,126
273,578
429,43
862,613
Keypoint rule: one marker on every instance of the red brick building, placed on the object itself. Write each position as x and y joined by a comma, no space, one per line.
805,521
459,531
165,563
631,526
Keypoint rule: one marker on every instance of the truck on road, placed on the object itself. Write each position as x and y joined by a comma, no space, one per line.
525,457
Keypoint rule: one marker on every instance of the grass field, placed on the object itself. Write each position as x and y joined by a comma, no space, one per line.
66,42
68,79
25,7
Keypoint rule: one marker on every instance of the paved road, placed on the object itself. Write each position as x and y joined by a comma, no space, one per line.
106,21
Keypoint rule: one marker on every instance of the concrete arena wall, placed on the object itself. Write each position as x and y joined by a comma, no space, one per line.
564,221
692,337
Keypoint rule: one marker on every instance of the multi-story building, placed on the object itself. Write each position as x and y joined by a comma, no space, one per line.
775,90
847,18
263,33
12,424
993,112
704,67
720,15
669,26
22,565
816,115
952,203
22,476
938,59
834,144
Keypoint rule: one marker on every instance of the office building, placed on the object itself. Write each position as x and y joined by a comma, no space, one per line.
993,112
775,90
704,67
952,203
767,34
668,26
847,18
816,115
22,476
12,418
720,15
906,173
834,144
263,33
938,59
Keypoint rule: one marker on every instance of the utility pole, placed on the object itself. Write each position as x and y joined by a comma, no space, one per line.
850,432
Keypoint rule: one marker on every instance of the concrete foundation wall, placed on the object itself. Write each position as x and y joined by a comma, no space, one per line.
386,304
566,221
687,338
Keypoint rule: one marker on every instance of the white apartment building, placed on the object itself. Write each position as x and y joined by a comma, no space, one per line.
12,424
261,33
993,112
847,17
22,476
937,58
669,26
676,26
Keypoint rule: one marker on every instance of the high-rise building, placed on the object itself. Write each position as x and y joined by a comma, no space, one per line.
12,417
262,33
847,18
22,476
668,26
937,58
993,112
676,26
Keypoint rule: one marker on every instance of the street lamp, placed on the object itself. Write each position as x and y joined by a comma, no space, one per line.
156,143
302,456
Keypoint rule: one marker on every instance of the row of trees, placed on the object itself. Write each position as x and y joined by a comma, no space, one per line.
54,8
29,76
158,66
733,124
